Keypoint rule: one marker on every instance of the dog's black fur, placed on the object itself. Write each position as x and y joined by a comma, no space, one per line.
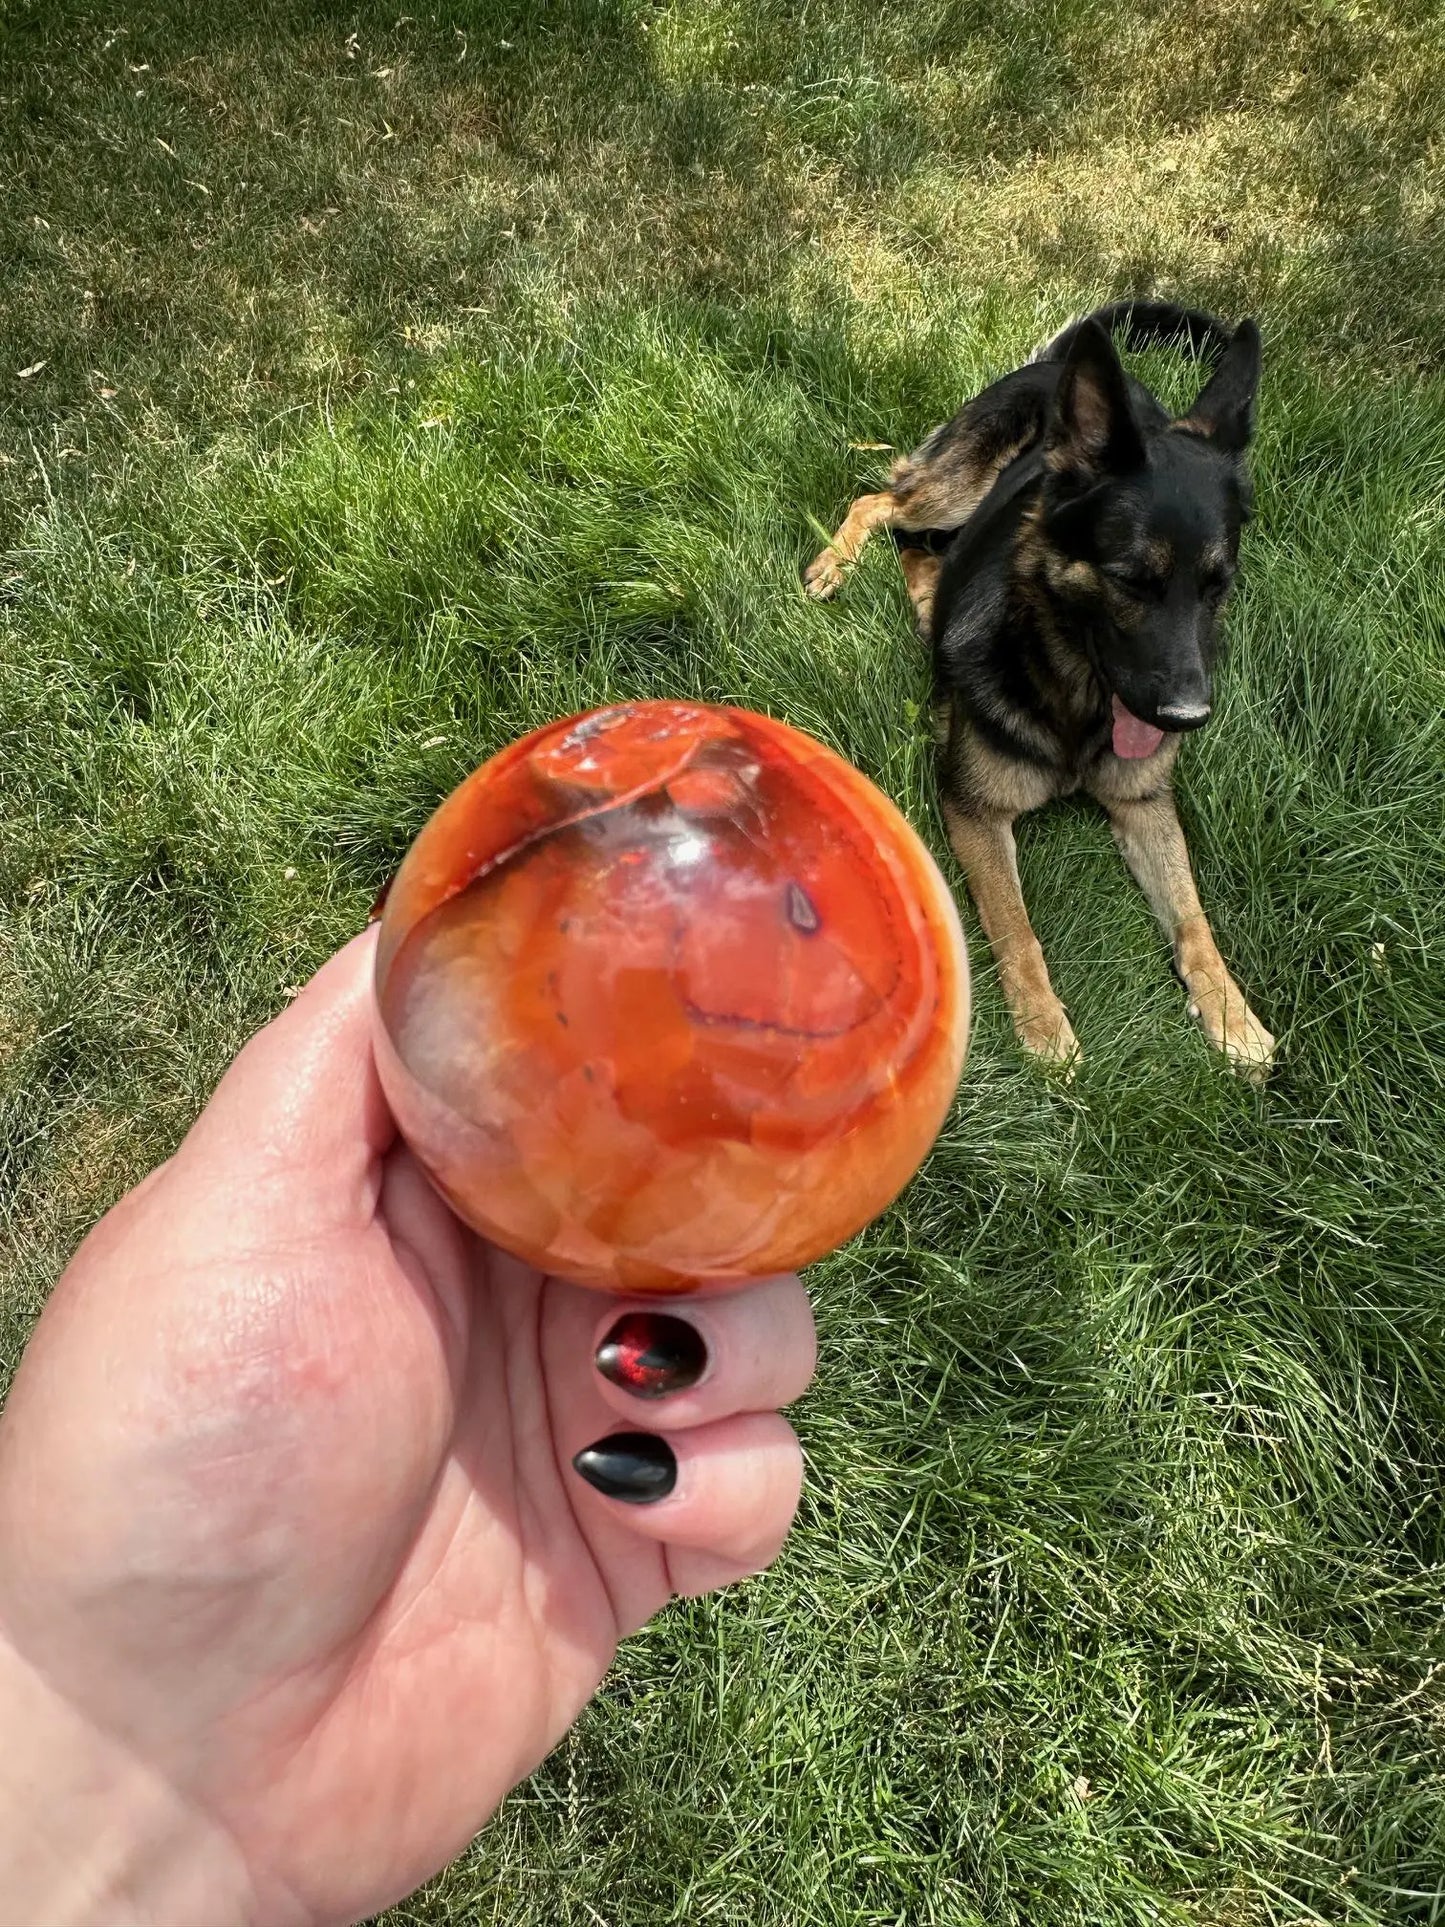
1068,547
1097,563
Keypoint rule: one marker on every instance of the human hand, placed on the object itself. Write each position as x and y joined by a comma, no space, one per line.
297,1579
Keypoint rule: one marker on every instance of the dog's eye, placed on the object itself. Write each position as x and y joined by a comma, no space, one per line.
1137,583
1214,588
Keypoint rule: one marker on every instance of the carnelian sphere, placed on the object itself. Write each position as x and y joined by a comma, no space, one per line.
669,995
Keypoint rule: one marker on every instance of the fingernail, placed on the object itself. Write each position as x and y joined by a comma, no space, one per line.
649,1353
636,1467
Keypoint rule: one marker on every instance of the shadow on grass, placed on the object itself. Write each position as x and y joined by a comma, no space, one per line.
215,212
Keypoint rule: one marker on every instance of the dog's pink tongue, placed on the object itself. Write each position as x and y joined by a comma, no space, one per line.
1131,737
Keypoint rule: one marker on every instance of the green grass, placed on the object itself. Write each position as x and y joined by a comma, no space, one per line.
408,381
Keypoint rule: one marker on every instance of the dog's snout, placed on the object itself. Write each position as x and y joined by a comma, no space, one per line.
1184,715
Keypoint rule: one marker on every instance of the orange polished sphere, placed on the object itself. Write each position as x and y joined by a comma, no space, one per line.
668,995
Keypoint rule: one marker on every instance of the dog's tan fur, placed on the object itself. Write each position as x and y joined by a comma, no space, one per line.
1140,807
937,488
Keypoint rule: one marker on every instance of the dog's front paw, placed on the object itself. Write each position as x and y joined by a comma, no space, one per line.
823,576
1250,1048
1232,1027
1047,1035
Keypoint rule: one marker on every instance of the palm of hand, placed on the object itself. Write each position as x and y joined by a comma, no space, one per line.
326,1446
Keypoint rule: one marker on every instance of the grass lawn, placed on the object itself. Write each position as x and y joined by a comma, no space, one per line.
374,387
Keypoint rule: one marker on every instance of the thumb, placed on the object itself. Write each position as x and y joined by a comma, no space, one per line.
303,1098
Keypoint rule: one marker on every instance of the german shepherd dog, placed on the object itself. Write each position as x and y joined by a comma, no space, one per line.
1073,548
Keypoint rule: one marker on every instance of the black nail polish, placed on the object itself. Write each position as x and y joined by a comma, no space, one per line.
649,1353
636,1467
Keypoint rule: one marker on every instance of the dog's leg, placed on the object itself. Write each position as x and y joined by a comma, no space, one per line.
921,572
1149,835
825,572
984,846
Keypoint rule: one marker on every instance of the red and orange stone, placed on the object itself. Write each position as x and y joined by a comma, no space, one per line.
669,995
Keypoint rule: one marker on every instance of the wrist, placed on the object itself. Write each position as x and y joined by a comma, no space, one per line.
90,1832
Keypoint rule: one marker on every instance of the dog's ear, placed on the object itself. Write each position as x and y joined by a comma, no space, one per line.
1224,409
1092,430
